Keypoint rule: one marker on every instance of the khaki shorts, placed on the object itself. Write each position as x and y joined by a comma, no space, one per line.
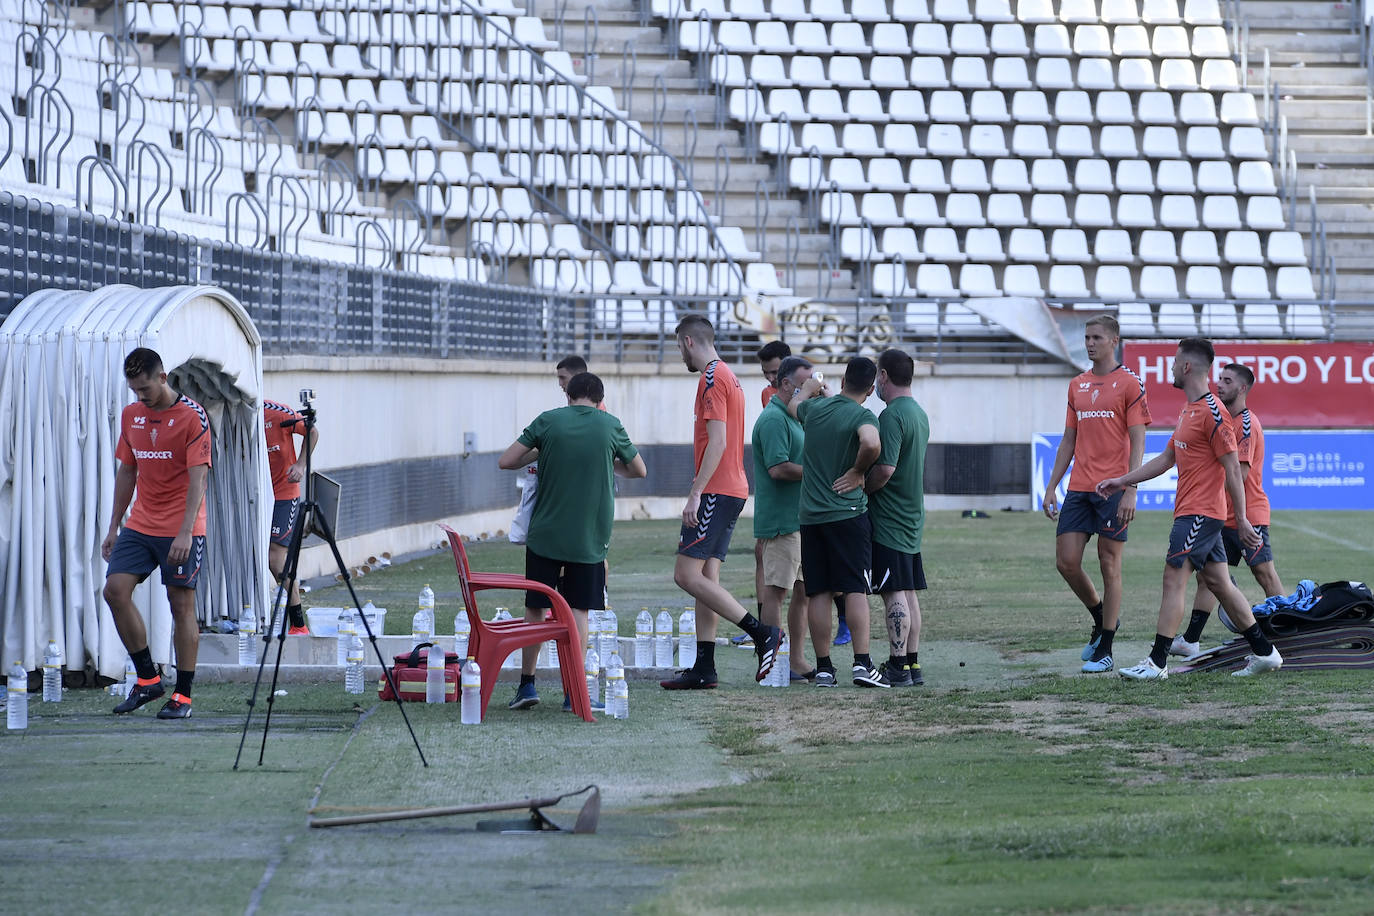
782,560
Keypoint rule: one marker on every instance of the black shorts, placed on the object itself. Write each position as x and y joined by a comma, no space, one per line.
285,517
896,571
582,585
836,556
1235,550
138,554
710,539
1091,514
1196,539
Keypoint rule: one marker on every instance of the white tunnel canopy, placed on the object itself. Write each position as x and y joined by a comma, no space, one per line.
62,390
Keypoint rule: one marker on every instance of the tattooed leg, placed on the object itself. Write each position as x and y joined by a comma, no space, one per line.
898,622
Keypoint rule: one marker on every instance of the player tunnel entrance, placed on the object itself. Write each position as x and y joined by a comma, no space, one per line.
62,390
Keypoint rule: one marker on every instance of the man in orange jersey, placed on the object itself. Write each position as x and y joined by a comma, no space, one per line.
280,424
1203,447
1104,435
164,461
717,494
1232,389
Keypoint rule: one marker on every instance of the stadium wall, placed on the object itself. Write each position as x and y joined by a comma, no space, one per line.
393,434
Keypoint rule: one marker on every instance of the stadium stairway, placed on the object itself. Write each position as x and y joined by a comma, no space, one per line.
623,52
1322,82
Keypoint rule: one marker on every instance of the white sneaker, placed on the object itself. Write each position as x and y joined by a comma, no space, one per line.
1258,664
1185,648
1147,670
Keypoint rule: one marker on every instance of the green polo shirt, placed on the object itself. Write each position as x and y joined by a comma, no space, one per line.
576,503
831,445
897,511
777,439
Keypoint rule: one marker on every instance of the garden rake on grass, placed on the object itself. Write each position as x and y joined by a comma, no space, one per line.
536,822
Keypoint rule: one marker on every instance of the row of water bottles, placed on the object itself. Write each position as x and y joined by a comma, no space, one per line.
17,687
654,639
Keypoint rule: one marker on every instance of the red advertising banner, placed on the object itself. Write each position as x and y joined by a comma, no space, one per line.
1308,385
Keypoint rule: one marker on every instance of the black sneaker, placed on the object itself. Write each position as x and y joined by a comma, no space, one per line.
869,677
141,695
690,679
896,676
915,672
824,679
767,651
178,707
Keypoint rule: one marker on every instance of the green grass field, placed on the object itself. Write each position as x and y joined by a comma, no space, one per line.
1010,784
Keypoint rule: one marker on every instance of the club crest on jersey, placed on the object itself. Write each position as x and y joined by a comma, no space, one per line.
1093,399
152,435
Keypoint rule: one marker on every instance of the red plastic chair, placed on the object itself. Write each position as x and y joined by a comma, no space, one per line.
491,642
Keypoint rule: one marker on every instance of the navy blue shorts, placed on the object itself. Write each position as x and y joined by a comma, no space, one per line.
838,556
1091,514
285,517
1235,550
1197,539
710,539
138,554
896,571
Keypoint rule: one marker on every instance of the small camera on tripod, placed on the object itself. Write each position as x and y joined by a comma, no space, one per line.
307,395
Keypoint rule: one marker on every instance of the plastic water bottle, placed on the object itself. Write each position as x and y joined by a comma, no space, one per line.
422,624
462,632
248,631
663,640
610,633
617,691
644,639
470,712
52,673
17,698
130,677
353,674
687,638
368,614
348,628
511,661
434,675
591,666
781,675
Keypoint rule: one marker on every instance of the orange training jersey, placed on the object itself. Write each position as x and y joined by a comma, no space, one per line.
767,393
163,445
1101,408
281,446
1203,435
720,397
1245,426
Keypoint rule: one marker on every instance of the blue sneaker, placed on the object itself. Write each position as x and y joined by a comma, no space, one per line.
1098,666
597,705
842,635
526,697
1091,647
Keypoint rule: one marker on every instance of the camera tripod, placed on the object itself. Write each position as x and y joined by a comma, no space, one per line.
309,518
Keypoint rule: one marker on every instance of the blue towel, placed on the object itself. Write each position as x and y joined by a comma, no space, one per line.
1300,601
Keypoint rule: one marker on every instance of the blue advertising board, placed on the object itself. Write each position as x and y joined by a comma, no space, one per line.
1303,469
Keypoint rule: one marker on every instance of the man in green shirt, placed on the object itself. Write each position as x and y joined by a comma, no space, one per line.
896,506
777,444
840,446
580,449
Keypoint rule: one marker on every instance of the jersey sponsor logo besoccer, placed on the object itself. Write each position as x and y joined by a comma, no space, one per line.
1096,414
142,454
